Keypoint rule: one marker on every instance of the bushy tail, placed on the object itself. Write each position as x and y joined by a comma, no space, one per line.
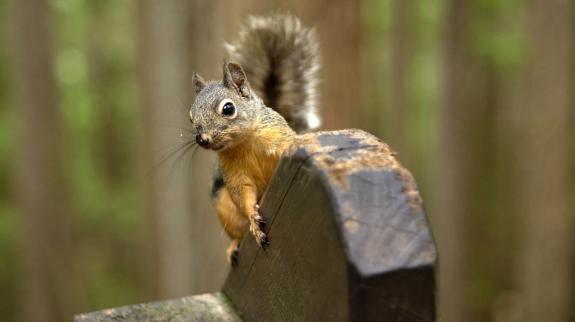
280,58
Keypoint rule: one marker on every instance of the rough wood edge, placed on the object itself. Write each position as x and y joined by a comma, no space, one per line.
204,307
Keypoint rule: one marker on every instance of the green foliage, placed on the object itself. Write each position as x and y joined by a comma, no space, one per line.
423,89
498,33
504,48
376,15
9,229
376,20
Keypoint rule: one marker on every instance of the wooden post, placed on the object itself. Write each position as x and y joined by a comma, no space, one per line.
349,239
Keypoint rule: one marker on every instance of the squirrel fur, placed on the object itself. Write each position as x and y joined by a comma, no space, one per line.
250,117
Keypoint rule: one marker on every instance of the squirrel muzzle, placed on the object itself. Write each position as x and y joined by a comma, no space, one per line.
204,140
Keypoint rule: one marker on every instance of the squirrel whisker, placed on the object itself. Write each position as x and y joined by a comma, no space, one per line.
189,147
173,151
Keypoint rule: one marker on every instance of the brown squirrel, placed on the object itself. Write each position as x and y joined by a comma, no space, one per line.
250,124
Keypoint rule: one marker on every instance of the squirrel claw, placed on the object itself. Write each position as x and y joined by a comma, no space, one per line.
233,252
259,235
260,222
234,257
264,241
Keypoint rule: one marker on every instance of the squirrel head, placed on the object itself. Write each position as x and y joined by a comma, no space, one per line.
224,111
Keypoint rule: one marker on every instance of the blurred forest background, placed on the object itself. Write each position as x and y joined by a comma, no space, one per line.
476,96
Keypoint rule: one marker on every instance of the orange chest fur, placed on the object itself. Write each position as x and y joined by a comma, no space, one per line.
254,161
245,165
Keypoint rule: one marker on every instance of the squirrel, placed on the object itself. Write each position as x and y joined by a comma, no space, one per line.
250,117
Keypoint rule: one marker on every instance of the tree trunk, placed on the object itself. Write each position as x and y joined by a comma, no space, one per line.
542,145
464,162
205,35
338,27
397,120
340,88
186,241
110,143
50,287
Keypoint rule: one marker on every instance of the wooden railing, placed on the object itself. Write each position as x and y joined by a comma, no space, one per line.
349,241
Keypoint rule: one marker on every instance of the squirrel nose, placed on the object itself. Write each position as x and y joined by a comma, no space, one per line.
203,140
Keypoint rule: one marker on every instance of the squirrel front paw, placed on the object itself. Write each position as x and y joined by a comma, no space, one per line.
233,252
256,226
258,218
259,235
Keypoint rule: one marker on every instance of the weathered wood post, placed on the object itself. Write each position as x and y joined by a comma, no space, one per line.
349,242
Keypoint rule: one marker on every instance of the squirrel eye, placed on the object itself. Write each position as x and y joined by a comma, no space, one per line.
227,109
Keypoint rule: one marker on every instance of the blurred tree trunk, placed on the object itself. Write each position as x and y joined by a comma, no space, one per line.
338,27
542,145
205,35
397,121
340,86
109,142
187,244
453,169
113,143
466,140
50,284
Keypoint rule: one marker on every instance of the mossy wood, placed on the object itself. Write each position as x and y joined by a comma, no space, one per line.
349,242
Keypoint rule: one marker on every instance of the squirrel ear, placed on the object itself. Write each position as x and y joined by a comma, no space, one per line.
235,78
199,82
